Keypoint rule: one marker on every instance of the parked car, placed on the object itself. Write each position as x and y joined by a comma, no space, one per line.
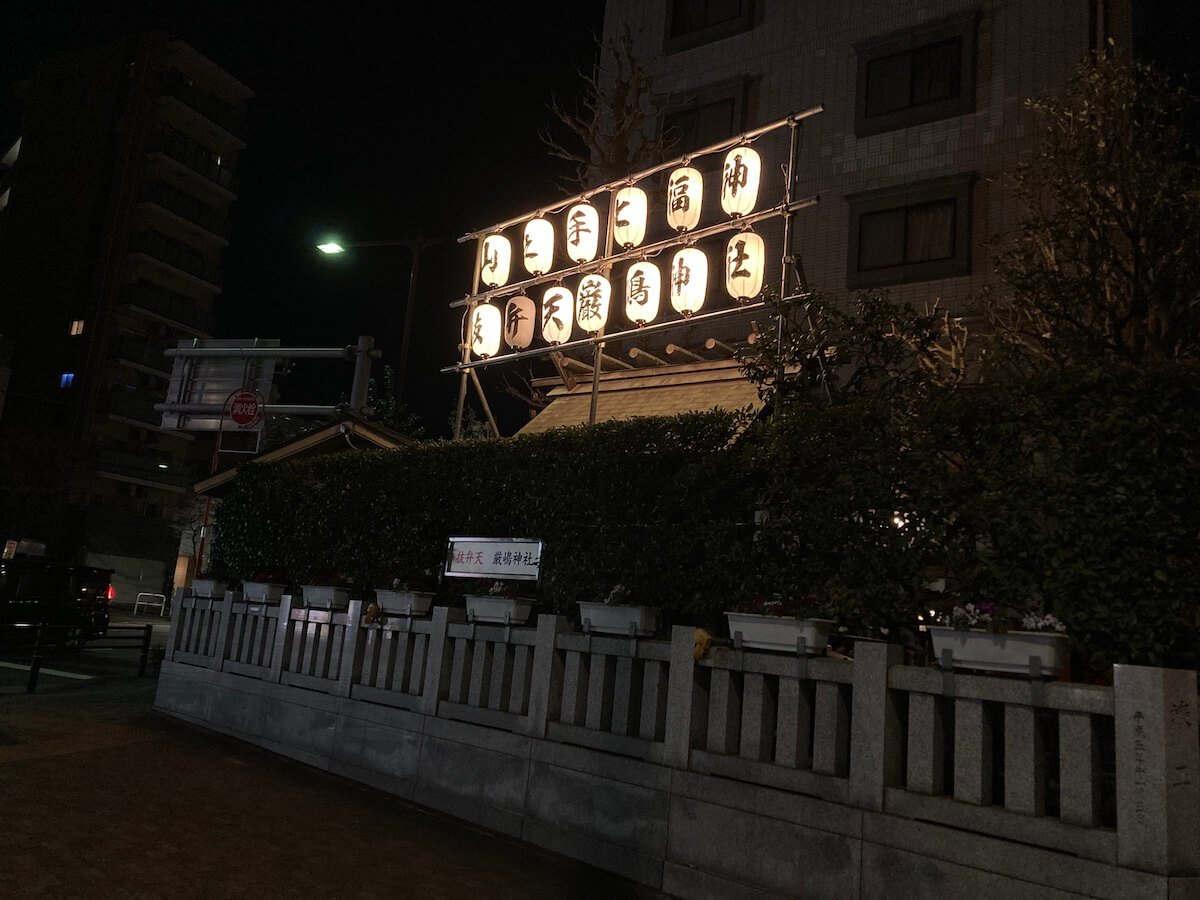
71,601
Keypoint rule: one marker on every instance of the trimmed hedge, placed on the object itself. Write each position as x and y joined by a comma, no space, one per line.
652,503
1079,494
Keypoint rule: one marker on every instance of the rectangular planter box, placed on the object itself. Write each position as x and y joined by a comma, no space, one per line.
404,603
320,596
504,610
617,619
262,591
779,632
208,587
1010,652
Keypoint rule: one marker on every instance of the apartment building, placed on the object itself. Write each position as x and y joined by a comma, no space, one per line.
923,114
115,213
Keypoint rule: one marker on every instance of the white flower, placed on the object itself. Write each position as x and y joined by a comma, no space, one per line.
1033,622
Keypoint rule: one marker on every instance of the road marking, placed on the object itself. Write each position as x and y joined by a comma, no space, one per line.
57,673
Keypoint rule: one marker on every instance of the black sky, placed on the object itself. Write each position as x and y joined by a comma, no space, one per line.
372,121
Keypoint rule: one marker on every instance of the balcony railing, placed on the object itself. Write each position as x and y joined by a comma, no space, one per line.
187,207
167,305
175,254
209,106
135,405
140,352
192,154
143,467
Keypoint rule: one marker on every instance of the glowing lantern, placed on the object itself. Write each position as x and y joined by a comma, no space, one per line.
519,316
591,302
583,232
485,330
539,246
739,181
689,280
495,260
629,220
643,285
558,312
744,261
685,192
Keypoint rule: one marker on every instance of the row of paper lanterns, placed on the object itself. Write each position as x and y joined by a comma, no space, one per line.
588,306
685,196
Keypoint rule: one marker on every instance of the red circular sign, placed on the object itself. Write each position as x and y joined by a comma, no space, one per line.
245,408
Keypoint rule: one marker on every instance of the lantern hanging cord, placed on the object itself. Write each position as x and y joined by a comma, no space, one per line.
462,341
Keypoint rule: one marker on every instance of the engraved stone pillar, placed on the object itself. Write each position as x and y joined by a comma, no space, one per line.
1158,769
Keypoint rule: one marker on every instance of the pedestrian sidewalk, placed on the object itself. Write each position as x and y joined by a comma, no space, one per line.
101,796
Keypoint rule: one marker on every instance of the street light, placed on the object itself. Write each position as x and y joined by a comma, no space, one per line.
415,246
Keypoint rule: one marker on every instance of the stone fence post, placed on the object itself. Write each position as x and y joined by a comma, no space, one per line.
282,646
545,684
1158,769
351,659
438,659
224,630
687,708
176,618
875,729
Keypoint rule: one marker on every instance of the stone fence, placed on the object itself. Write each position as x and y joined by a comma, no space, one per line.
744,774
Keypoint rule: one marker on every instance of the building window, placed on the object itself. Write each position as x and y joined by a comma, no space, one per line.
917,75
912,233
77,326
66,380
707,116
691,23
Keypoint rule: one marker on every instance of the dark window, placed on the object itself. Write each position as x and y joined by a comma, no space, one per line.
691,23
707,116
912,233
915,76
699,126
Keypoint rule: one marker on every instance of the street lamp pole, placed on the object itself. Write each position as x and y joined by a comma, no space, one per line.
415,246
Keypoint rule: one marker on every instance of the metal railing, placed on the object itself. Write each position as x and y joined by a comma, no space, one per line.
46,636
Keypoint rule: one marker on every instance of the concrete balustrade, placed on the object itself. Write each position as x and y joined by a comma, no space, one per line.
744,772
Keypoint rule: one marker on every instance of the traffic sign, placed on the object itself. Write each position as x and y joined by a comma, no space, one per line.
245,408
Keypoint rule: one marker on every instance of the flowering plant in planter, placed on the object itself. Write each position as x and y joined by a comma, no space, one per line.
986,638
423,583
410,597
776,622
618,613
498,601
988,617
618,595
804,606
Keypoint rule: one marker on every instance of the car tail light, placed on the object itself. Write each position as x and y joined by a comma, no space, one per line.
110,594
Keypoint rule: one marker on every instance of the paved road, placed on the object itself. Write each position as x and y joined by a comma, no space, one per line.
101,796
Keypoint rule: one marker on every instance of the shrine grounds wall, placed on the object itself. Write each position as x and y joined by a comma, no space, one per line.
744,774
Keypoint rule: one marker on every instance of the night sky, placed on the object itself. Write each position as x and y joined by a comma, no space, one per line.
371,122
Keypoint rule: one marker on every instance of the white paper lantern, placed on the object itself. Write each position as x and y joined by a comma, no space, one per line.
745,258
519,315
685,194
495,260
558,314
643,286
629,219
591,302
539,246
485,330
583,232
689,280
739,181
